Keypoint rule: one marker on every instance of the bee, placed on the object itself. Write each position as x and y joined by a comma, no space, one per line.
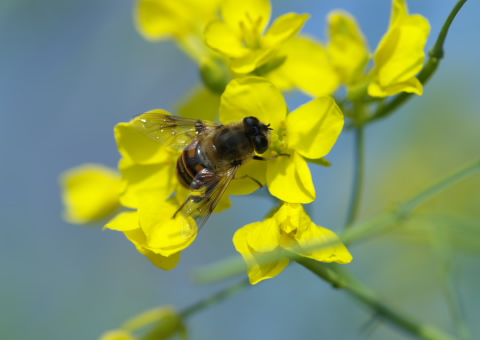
212,154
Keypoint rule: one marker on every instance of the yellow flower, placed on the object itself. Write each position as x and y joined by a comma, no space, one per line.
347,47
148,182
240,36
183,21
307,66
117,334
145,165
317,70
291,229
400,54
90,193
310,131
164,322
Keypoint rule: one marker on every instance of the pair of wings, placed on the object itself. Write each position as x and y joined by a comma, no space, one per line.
179,132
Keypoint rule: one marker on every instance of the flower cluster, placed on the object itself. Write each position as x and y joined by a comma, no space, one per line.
246,63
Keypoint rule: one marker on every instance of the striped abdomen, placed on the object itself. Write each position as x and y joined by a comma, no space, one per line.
191,161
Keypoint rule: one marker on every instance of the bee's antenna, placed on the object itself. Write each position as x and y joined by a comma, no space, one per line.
269,127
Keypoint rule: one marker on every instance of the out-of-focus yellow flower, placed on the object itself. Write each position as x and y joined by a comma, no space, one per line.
164,322
90,193
310,131
240,36
317,70
307,66
291,229
347,47
400,55
117,334
183,21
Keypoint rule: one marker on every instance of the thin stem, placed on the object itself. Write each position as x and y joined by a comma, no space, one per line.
216,298
340,278
456,310
404,210
435,55
359,165
447,269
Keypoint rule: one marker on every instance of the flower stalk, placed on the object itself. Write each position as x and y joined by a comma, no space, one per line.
340,278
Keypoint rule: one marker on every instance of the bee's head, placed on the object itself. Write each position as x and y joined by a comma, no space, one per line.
258,133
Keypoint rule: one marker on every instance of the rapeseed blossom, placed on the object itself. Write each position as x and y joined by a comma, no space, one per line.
164,322
90,193
240,35
184,21
400,54
289,229
319,70
308,132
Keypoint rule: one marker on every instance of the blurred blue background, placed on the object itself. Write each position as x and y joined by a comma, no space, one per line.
70,70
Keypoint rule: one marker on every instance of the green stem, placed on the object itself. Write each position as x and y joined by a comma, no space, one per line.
216,298
340,278
447,269
235,265
435,55
359,165
404,210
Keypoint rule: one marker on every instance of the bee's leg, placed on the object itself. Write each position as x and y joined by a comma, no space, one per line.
253,179
260,158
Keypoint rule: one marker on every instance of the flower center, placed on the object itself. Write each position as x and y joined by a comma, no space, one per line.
279,140
251,35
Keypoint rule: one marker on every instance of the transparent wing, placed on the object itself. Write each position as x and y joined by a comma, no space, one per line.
205,192
171,130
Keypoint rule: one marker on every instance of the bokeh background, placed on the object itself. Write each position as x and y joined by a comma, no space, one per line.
70,70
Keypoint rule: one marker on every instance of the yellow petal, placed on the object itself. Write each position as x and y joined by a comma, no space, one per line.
223,39
256,272
252,96
160,261
164,233
243,183
291,217
312,235
263,236
201,103
400,56
308,67
129,224
163,19
412,85
251,14
399,11
314,127
139,148
289,179
124,221
252,60
90,192
347,48
285,27
117,334
159,178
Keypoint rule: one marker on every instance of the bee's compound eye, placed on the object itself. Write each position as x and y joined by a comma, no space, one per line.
261,143
253,130
251,123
